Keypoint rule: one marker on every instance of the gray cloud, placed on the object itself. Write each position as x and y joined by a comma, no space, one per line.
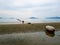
30,8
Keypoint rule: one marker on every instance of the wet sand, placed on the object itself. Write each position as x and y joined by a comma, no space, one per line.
35,38
29,34
18,28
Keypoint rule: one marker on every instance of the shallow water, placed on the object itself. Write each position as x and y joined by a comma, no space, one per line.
35,38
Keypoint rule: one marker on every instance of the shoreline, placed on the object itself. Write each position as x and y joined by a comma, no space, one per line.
5,23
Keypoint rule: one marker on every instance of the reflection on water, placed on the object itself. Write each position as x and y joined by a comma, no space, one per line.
49,33
36,38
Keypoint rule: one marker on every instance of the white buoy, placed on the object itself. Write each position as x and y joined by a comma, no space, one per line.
50,28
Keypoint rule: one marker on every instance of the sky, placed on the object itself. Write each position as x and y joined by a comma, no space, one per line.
23,9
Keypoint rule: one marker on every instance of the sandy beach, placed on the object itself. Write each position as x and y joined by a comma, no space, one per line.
29,34
35,27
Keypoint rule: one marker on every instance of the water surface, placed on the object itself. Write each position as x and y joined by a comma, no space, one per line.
33,38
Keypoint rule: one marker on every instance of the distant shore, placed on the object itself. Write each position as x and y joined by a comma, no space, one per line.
34,27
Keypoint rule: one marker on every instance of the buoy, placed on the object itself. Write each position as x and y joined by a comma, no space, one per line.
50,28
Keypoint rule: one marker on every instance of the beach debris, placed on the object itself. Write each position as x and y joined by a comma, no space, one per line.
19,20
50,28
29,23
22,22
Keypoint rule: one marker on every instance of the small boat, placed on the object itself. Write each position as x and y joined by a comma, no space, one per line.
50,28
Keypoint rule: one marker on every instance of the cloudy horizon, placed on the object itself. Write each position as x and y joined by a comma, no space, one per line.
23,9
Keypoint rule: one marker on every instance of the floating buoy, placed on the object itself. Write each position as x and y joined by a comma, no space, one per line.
50,28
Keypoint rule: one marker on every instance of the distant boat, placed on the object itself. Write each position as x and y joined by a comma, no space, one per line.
50,28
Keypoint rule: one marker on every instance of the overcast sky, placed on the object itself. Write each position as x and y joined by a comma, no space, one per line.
29,8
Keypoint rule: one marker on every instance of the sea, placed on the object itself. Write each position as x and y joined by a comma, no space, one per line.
15,21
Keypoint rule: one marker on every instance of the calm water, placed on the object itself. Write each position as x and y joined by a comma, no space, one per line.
15,21
35,38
